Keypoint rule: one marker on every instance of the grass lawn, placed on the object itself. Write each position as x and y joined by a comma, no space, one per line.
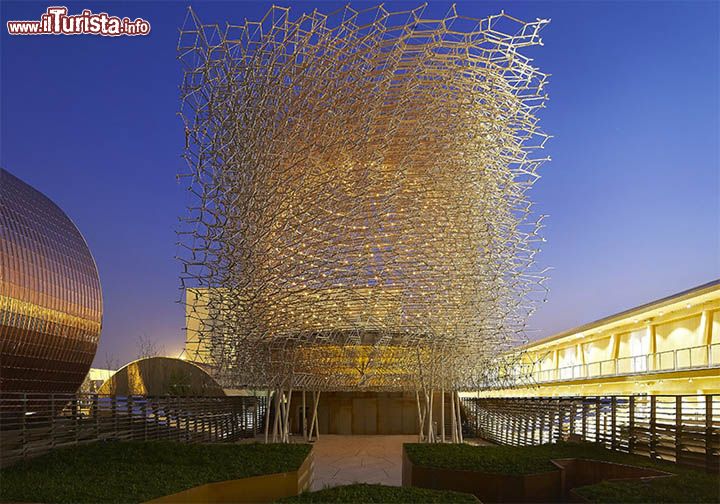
361,493
688,486
139,471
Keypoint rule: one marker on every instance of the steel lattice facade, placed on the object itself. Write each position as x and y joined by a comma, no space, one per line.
360,215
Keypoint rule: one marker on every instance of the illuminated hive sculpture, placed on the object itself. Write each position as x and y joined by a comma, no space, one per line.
50,297
359,215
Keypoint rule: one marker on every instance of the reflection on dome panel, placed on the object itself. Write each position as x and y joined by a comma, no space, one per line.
50,297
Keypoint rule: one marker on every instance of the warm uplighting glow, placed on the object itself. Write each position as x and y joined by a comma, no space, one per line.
362,218
678,346
50,296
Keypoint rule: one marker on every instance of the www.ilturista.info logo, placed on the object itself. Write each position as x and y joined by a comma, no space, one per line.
56,21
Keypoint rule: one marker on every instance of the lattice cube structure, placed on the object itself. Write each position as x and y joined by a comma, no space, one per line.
359,213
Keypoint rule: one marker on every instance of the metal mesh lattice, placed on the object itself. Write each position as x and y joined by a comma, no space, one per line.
359,181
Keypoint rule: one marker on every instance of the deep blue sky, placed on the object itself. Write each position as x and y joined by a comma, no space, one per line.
632,190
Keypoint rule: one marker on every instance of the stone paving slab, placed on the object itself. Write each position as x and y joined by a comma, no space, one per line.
343,460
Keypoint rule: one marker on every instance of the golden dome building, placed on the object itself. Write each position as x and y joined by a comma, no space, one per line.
50,297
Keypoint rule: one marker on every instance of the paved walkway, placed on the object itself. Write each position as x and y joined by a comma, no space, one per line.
343,460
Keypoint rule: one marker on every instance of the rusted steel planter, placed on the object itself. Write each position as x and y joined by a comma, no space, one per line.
550,486
582,472
539,487
265,488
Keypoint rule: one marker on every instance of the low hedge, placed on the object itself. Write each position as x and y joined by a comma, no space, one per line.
361,493
486,459
139,471
522,459
689,485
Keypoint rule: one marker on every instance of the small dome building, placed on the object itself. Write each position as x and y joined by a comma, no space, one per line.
161,376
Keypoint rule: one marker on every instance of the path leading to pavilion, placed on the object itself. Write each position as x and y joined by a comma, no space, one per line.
343,460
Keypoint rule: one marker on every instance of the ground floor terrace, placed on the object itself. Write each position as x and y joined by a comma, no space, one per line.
677,428
374,459
506,443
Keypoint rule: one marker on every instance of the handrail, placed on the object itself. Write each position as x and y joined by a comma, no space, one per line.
701,356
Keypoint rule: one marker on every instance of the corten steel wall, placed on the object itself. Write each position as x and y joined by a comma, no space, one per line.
50,297
682,429
366,413
55,420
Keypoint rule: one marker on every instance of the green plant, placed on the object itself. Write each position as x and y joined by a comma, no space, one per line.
687,486
139,471
362,493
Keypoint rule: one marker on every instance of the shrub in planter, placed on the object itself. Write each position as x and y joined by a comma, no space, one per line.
362,493
140,471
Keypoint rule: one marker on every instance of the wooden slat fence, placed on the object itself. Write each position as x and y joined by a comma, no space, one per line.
31,424
683,429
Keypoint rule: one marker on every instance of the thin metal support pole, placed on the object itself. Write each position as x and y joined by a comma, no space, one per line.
267,414
304,417
442,414
454,417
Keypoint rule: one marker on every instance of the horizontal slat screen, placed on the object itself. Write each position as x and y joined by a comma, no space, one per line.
31,424
682,429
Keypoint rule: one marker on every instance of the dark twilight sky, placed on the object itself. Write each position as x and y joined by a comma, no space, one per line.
632,190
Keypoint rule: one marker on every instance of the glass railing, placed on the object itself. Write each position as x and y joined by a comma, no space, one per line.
671,360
